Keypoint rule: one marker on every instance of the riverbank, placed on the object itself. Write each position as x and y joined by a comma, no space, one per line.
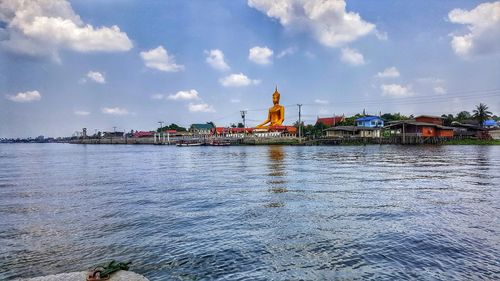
297,141
472,142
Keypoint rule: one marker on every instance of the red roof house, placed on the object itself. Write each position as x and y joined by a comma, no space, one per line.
330,121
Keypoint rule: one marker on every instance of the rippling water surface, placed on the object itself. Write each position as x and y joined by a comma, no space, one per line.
252,213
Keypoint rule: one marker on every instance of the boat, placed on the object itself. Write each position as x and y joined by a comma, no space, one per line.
189,144
219,143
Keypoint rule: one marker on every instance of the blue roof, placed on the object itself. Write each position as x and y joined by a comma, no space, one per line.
490,123
369,118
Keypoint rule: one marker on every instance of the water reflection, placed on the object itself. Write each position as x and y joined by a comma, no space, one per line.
276,173
276,165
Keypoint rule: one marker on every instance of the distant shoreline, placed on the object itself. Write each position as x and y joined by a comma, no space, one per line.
292,143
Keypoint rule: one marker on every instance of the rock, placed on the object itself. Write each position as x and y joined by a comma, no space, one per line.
121,275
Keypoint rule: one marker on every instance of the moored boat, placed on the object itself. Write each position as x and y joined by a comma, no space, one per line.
189,144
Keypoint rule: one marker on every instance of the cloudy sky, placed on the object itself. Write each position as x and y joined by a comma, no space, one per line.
65,65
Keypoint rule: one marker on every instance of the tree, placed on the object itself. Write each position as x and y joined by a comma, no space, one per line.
447,119
172,127
481,113
394,117
463,115
240,125
350,121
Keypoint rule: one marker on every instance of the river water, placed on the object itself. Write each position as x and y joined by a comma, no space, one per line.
252,213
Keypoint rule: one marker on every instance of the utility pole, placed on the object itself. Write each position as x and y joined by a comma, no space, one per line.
112,135
160,131
243,115
300,124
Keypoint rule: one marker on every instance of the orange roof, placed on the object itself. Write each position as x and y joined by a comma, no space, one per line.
330,121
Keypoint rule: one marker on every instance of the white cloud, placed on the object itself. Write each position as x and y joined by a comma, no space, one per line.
483,23
324,111
235,101
319,101
81,113
185,95
114,111
327,20
25,96
216,60
42,27
430,80
237,80
260,55
157,96
159,59
287,52
200,107
439,90
381,35
391,72
96,77
309,55
396,90
352,56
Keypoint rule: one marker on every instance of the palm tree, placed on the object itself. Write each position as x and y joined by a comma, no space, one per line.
481,113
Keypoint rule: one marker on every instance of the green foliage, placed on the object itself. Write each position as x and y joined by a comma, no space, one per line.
241,125
388,117
447,119
481,113
463,115
172,127
309,130
350,121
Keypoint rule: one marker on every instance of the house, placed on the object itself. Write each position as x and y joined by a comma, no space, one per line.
369,132
490,124
330,121
421,126
113,134
494,134
231,132
467,130
201,129
370,122
341,132
437,120
142,134
352,132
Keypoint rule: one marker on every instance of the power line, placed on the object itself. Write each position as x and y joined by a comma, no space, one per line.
414,100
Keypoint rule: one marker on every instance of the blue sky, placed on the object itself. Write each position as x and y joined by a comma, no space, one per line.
99,64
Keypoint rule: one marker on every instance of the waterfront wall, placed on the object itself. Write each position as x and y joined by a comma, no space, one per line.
249,140
289,140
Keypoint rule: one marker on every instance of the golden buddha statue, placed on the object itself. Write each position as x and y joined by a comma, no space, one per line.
276,114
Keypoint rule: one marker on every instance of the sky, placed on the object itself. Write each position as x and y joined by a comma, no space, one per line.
66,65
